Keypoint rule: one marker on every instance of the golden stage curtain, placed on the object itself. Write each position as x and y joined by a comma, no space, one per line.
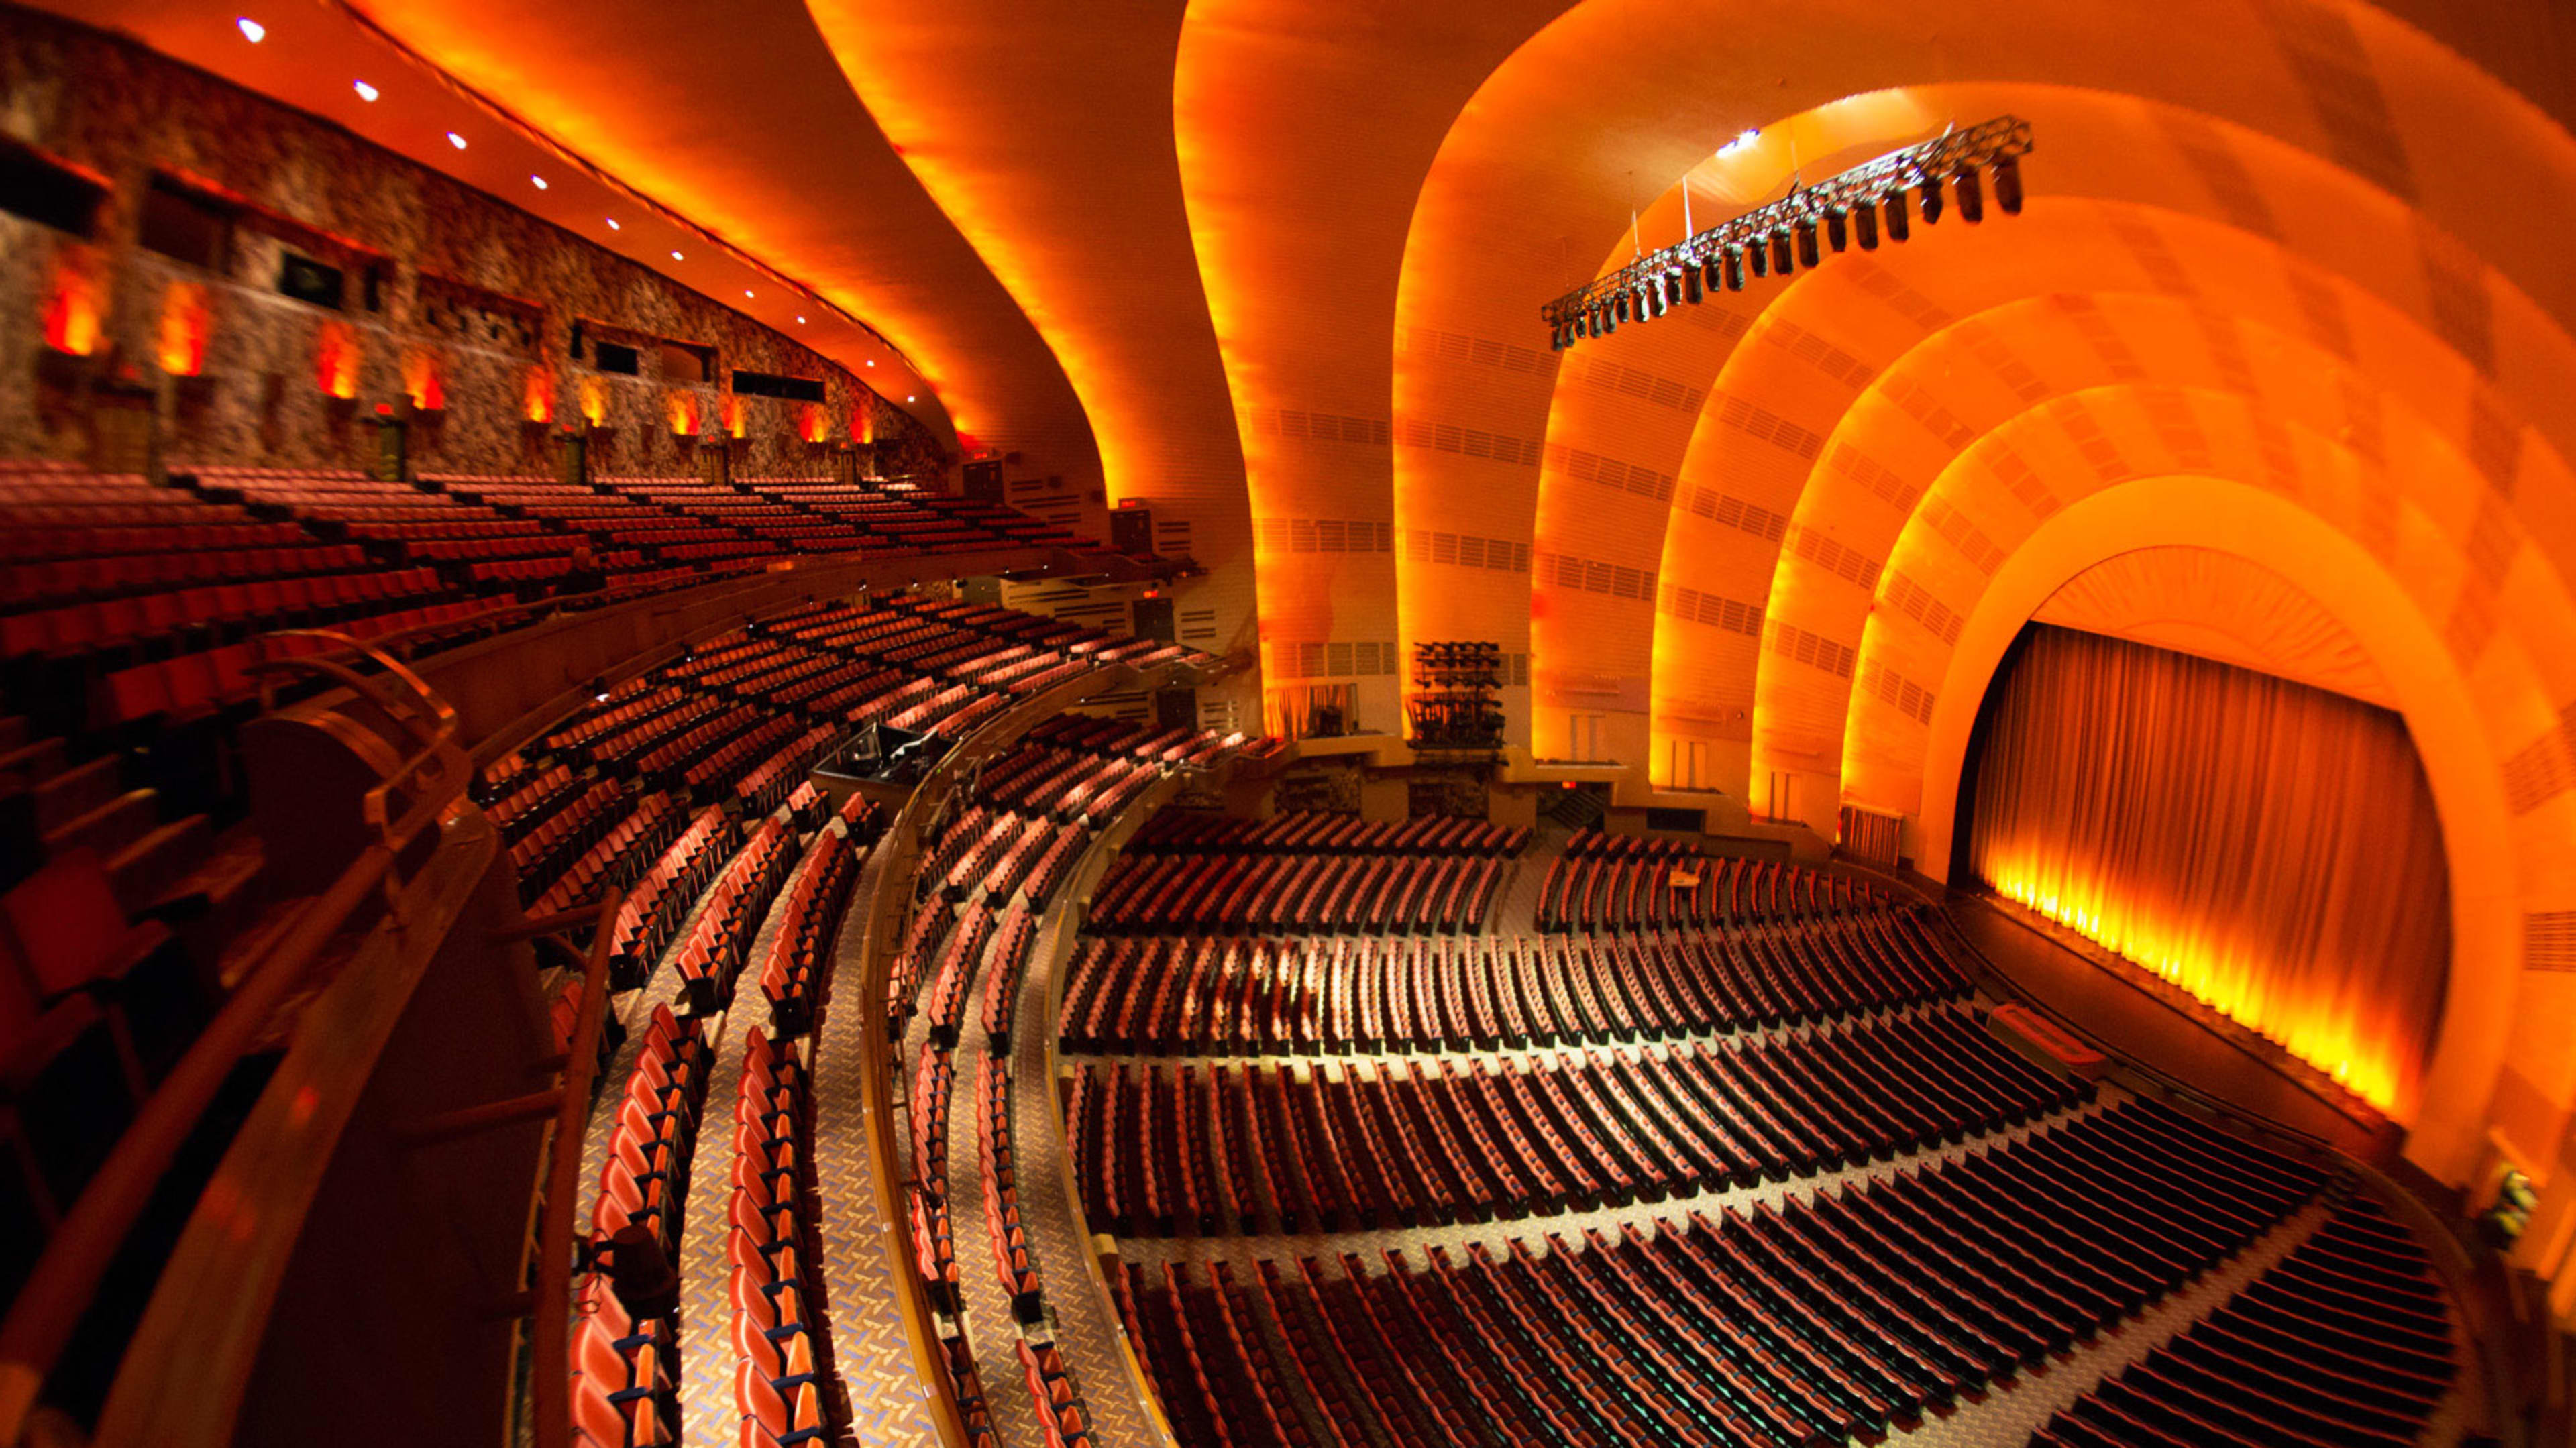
2269,847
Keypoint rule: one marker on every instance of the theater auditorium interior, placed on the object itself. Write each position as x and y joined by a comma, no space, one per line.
1287,723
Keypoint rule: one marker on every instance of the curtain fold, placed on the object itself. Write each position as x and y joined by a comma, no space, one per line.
2269,847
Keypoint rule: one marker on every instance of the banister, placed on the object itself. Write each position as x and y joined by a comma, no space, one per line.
66,1277
550,1386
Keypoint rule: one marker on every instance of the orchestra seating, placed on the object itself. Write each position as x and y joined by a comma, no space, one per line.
1835,1312
2348,1340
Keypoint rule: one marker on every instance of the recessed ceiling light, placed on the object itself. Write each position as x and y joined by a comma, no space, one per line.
746,291
800,319
612,224
872,361
540,180
912,399
252,30
365,91
456,140
675,256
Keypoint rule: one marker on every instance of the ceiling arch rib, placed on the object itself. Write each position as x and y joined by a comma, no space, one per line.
1818,320
722,130
1047,135
1514,165
1299,179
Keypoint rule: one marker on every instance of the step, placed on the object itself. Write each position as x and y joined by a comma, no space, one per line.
144,870
111,827
29,763
75,792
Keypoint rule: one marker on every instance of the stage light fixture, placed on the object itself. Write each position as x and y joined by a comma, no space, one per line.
2008,185
1860,204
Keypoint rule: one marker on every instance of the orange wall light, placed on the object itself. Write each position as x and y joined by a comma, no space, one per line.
335,360
71,312
594,401
537,396
187,321
812,423
732,414
683,407
424,381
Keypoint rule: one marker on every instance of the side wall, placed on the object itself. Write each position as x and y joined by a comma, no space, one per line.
498,345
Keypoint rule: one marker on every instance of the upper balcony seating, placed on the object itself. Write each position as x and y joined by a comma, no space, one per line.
1626,882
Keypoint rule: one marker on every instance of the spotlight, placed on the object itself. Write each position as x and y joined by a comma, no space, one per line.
1758,256
1780,253
1899,223
365,91
456,140
1691,289
1673,285
1735,268
1806,230
1865,226
1712,272
251,30
1931,193
1838,229
1972,202
2008,185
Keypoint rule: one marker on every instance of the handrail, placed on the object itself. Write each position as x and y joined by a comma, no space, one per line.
436,737
67,1276
551,1385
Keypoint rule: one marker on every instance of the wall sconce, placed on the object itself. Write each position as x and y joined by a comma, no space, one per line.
594,403
683,408
335,361
813,424
187,321
423,381
732,413
537,397
71,312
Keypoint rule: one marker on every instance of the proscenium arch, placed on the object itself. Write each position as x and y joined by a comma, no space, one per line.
2355,588
2165,363
2225,68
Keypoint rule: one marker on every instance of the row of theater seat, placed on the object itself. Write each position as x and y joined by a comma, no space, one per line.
1322,832
658,900
784,1388
719,940
2349,1340
1238,996
798,965
624,1340
1805,1324
985,880
1300,894
1371,1145
1672,887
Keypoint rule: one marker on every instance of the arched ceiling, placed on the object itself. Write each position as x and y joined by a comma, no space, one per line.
1274,266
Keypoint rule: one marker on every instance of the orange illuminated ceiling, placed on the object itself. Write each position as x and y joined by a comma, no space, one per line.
1274,266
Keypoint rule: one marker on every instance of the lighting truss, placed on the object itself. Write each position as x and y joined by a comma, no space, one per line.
1795,230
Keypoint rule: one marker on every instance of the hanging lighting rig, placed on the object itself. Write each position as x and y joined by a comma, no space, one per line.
1874,200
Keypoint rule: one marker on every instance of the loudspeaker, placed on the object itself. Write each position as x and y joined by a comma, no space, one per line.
1131,530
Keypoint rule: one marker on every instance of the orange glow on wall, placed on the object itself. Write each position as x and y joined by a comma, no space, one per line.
335,361
594,402
71,313
732,414
812,423
424,380
179,344
683,408
537,395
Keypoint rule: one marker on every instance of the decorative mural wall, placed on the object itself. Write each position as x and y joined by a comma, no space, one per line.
271,284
